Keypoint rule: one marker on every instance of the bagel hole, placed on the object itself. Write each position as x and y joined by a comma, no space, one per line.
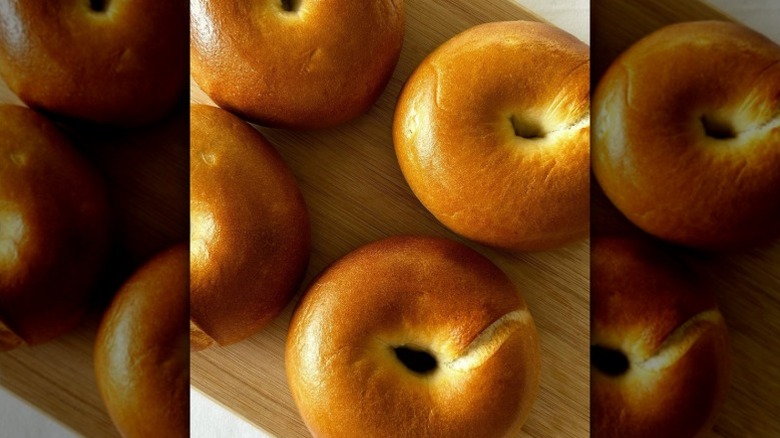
98,5
290,5
526,129
716,128
417,361
609,361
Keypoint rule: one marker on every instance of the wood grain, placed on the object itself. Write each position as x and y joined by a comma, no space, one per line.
58,378
747,284
356,194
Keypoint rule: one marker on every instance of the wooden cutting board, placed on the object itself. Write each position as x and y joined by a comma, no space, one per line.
747,284
356,194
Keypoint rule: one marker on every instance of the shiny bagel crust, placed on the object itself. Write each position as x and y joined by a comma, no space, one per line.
492,134
54,226
125,65
687,135
425,293
250,236
316,66
142,352
653,310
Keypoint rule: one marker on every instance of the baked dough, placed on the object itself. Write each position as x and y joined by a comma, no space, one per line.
492,133
687,135
413,337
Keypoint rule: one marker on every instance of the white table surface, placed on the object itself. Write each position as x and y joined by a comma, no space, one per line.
209,419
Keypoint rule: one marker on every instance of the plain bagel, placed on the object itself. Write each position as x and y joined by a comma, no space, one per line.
105,61
54,224
141,352
660,358
295,63
687,135
492,133
249,234
413,337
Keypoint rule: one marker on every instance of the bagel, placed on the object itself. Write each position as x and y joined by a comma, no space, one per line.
687,135
109,62
660,358
141,351
492,134
249,236
292,63
54,230
412,337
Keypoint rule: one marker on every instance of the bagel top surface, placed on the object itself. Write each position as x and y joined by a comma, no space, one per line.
423,297
687,134
660,353
492,134
116,62
142,353
295,64
250,233
53,228
641,295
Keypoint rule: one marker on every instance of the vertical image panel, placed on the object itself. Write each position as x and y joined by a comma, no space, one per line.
441,151
685,212
93,220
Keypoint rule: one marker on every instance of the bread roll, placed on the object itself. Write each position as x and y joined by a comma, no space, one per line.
660,357
53,229
413,337
292,63
105,61
249,236
142,353
687,135
492,132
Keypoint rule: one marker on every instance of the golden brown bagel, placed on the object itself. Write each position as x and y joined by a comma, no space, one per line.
142,353
413,337
295,63
53,229
687,135
117,62
492,134
660,357
250,234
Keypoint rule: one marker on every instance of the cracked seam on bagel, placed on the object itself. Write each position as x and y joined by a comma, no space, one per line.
488,342
769,125
582,122
679,342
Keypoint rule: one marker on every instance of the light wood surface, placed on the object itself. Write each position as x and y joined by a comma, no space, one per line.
356,194
747,284
58,378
